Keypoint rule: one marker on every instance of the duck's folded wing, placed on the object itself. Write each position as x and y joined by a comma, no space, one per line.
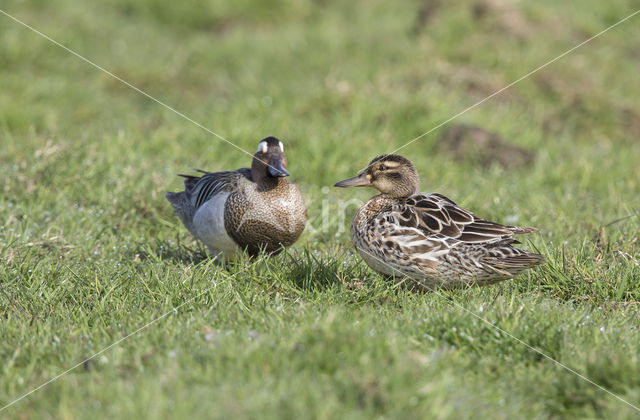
201,189
436,215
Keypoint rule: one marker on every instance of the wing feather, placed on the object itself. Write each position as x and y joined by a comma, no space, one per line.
202,189
439,217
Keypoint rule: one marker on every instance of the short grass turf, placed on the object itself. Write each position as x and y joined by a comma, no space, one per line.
91,251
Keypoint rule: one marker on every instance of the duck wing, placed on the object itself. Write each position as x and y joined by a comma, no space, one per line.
200,189
436,216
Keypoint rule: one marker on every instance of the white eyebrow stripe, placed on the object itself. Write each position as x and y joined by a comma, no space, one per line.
281,146
262,147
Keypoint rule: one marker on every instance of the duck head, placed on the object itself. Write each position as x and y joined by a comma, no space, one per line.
393,175
269,160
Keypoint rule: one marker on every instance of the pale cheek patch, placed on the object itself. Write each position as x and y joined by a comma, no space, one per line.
281,146
262,147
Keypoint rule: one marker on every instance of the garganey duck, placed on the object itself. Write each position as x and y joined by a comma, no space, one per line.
428,237
255,209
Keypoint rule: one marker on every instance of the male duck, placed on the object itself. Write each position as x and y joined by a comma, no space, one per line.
254,209
427,237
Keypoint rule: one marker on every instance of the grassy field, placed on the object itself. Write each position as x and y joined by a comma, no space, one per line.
91,251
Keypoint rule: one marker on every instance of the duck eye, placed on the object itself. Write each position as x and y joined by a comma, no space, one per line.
382,168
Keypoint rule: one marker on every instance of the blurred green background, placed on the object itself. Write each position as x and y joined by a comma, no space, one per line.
91,249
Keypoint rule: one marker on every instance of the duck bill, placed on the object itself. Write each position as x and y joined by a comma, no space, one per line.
357,181
276,168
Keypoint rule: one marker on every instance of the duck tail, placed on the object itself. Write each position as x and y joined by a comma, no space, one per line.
504,256
183,207
525,260
190,181
517,230
513,259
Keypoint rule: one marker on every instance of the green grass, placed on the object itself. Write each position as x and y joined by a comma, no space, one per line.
91,251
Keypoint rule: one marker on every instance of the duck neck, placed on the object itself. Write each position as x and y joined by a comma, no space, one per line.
260,176
266,182
402,192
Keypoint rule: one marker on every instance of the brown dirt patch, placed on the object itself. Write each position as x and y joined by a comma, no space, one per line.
471,143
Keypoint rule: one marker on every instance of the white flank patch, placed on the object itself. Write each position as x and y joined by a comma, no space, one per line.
281,146
262,147
209,226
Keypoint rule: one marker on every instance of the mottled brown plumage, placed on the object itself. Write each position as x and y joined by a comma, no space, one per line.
428,237
248,209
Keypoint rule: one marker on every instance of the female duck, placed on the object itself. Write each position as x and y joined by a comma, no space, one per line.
427,237
255,209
